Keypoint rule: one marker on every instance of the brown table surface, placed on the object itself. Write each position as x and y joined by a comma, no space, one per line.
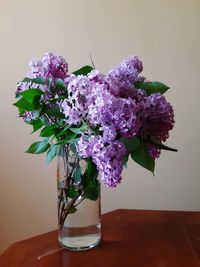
130,238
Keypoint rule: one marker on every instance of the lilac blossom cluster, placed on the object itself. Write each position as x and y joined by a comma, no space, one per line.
107,155
109,104
157,116
118,109
51,67
122,78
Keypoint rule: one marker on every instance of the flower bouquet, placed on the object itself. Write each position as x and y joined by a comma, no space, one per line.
94,123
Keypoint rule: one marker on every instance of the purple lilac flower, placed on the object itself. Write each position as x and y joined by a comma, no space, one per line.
86,94
121,79
90,99
36,71
75,107
109,132
97,77
55,66
22,86
127,71
37,68
51,66
28,116
85,144
157,116
108,156
97,100
109,103
153,151
135,94
119,115
114,115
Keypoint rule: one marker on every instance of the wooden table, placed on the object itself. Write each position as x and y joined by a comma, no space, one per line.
131,238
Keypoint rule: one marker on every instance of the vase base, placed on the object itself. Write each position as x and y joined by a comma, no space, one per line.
80,243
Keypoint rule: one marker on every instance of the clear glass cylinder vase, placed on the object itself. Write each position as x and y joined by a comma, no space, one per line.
79,207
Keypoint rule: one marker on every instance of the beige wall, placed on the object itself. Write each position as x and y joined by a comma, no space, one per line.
165,34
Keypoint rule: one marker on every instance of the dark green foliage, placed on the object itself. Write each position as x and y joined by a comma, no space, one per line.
157,144
38,147
91,182
83,71
131,143
48,131
142,157
152,87
37,124
77,174
38,80
52,153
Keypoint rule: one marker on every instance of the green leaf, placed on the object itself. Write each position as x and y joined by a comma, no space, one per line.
80,130
131,143
65,131
37,124
55,111
31,94
70,136
77,174
84,127
83,71
52,153
73,148
71,192
125,160
23,104
152,87
60,84
44,120
90,181
76,130
72,141
38,80
48,131
21,111
159,145
38,147
72,210
142,157
92,190
92,172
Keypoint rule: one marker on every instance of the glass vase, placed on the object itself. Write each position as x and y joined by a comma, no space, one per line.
79,211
